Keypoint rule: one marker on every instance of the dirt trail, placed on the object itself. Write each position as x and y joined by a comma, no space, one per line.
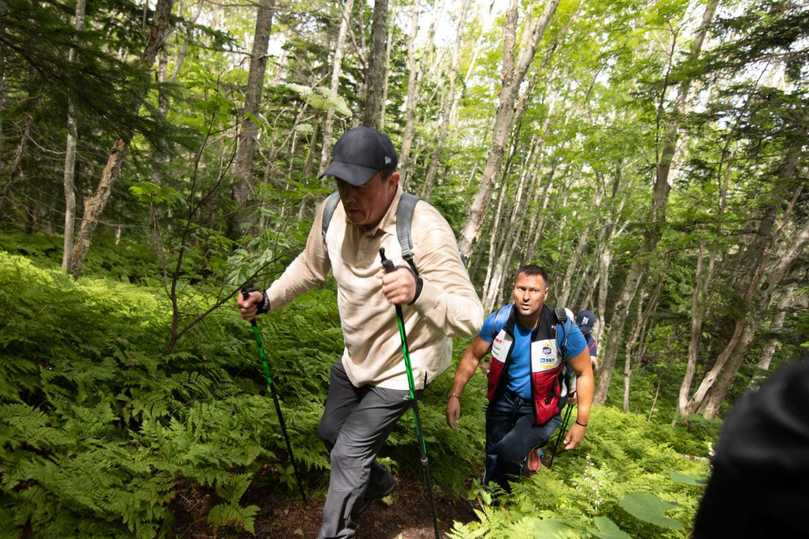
407,517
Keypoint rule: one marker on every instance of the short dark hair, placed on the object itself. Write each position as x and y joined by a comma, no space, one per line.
533,269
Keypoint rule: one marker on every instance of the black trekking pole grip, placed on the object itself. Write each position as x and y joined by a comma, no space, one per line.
245,296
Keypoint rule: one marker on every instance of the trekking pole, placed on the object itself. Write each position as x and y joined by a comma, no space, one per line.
265,366
425,462
562,430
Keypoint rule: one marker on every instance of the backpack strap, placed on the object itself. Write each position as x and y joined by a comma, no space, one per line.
328,212
501,318
563,319
404,222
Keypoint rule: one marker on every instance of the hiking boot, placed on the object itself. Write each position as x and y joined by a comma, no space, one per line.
376,490
534,461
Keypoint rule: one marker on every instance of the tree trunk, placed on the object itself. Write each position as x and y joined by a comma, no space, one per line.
510,233
248,131
70,153
630,345
777,325
336,72
2,103
504,117
787,300
413,70
448,100
574,261
657,217
375,76
701,286
717,383
538,218
95,205
388,47
638,338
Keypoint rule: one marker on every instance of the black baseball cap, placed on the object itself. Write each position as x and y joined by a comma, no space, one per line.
586,320
359,154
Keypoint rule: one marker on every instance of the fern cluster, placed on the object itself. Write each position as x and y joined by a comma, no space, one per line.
626,480
99,426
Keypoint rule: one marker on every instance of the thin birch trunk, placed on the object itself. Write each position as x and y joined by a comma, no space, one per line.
777,325
497,240
375,76
630,345
70,151
387,76
448,100
575,257
513,75
413,70
94,206
492,293
248,130
657,216
638,337
334,87
494,234
701,287
539,218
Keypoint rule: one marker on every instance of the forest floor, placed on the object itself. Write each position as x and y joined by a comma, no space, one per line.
405,514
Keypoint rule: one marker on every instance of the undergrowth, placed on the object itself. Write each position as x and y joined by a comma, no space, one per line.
103,432
627,479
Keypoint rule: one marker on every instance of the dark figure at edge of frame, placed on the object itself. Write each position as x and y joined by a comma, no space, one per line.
759,485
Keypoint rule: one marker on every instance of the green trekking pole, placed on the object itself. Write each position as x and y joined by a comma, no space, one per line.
425,462
265,366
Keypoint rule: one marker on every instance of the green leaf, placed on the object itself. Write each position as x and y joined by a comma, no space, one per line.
685,479
649,508
550,527
234,515
607,529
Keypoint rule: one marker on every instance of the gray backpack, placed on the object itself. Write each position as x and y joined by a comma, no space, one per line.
404,221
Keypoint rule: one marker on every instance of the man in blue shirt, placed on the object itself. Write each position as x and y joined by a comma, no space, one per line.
530,344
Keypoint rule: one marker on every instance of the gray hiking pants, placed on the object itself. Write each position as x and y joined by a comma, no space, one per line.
355,424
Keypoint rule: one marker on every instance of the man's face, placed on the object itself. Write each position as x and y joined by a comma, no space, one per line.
366,204
529,293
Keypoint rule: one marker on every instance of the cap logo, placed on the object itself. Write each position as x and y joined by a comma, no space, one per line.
387,160
585,320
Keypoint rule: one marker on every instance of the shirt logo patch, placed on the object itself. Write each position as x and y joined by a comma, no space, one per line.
501,346
544,355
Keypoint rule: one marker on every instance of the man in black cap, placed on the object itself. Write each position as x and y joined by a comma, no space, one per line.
368,389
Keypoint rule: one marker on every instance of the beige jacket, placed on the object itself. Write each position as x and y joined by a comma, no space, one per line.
447,307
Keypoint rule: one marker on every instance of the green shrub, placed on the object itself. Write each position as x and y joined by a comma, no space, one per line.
625,478
98,424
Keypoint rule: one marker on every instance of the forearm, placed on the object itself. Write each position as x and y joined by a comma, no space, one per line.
466,369
308,270
299,277
584,390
